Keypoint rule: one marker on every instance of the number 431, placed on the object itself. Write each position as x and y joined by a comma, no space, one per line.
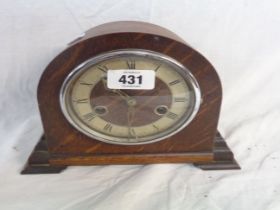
131,79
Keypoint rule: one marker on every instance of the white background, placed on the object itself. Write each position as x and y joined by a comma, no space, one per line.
240,38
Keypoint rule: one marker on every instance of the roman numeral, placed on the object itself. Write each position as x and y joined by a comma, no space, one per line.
86,83
180,99
171,115
89,116
155,127
156,69
131,64
132,132
174,82
82,101
108,127
102,68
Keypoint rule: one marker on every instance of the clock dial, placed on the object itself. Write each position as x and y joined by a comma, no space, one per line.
130,116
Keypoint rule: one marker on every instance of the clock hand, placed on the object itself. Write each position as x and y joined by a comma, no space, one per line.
130,102
104,82
124,95
130,116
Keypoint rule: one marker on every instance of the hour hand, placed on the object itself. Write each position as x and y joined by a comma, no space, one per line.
104,82
117,91
122,94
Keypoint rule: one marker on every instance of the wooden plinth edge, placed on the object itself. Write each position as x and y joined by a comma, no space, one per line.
223,157
38,162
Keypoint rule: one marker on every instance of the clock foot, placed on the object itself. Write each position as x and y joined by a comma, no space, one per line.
38,162
223,157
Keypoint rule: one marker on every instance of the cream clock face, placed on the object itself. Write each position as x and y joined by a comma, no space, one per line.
130,116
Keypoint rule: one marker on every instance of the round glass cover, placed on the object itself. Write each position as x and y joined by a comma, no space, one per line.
130,116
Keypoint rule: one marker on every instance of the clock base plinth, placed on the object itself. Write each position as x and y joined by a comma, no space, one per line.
223,157
38,162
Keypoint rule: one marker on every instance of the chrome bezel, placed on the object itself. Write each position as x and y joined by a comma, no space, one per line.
181,69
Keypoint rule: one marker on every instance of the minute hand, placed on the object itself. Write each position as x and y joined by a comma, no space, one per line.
130,118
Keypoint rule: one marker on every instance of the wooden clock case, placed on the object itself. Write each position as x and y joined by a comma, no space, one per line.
62,145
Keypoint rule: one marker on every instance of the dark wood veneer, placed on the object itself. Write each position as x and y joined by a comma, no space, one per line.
67,146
